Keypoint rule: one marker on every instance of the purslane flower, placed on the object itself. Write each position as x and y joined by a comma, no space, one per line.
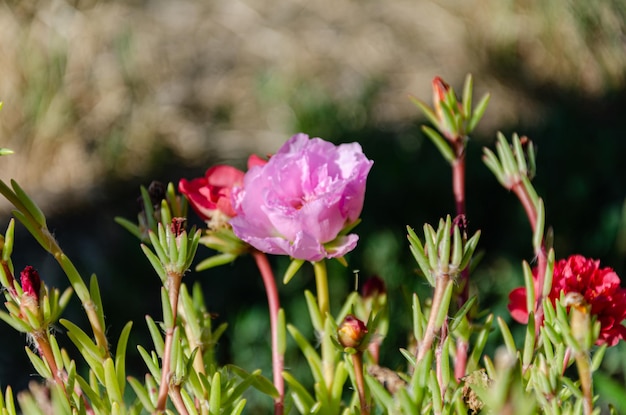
302,199
210,196
600,288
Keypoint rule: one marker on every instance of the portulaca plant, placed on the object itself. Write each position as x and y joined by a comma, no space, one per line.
304,202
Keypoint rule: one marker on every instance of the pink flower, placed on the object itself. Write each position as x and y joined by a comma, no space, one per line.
299,202
210,196
600,288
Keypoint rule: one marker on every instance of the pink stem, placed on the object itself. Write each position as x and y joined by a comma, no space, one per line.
274,305
540,252
458,188
173,287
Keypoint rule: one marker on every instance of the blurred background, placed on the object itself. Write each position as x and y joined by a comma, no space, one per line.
102,97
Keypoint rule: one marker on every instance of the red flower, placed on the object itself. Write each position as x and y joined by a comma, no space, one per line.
210,195
600,288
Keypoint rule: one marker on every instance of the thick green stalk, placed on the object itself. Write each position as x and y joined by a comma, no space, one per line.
328,349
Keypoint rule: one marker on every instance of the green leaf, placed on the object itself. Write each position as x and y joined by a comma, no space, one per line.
309,352
478,112
151,362
81,340
301,397
442,312
56,352
40,366
441,143
429,113
260,383
129,226
142,394
281,332
380,393
292,269
215,396
155,334
110,381
148,208
188,402
158,248
539,227
7,248
215,261
155,262
17,324
418,318
94,293
444,246
507,336
238,409
120,355
493,164
529,284
505,154
468,88
314,311
31,207
460,315
529,341
417,250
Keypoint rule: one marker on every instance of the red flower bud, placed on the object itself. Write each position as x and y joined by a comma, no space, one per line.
351,332
31,282
440,89
178,226
373,287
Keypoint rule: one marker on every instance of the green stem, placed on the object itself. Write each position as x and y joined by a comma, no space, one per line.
584,373
328,350
321,282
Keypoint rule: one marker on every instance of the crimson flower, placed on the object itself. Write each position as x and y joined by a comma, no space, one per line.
210,196
600,288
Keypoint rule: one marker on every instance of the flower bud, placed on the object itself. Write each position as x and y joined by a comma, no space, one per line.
351,332
440,89
31,282
373,287
178,226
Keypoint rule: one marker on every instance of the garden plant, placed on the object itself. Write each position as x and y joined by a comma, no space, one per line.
304,202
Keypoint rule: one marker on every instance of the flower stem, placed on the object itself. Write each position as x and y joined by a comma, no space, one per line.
540,251
458,188
586,384
328,349
321,282
458,183
173,287
357,362
431,329
274,306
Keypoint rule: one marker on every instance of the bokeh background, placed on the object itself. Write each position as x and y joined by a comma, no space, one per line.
102,97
